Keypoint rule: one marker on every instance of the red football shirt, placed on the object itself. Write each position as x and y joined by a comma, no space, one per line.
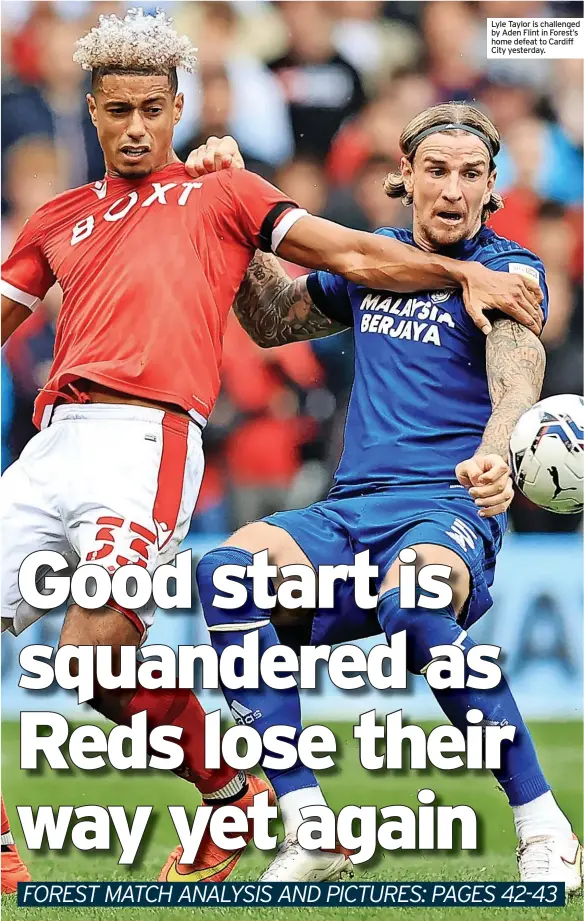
149,270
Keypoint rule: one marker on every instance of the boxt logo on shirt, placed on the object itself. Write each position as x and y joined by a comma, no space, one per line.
126,203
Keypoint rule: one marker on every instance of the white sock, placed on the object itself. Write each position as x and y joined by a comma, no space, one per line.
291,804
542,816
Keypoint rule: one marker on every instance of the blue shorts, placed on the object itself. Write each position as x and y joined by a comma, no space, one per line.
334,530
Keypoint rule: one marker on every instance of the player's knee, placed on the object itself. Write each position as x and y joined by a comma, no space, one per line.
281,546
218,618
459,582
432,555
254,537
424,628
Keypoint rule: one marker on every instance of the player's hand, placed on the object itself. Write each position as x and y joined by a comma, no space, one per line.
215,155
518,296
488,480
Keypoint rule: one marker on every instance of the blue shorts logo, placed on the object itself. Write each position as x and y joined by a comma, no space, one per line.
464,535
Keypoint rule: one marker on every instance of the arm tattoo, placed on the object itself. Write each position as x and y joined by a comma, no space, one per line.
273,309
515,369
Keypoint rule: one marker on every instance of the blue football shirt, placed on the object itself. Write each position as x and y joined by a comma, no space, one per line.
420,399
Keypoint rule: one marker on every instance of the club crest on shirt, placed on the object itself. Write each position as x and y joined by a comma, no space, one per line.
438,297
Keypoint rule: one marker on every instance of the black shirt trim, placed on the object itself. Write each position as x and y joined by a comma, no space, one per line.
269,221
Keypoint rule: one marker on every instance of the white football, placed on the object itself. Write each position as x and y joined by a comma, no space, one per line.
547,454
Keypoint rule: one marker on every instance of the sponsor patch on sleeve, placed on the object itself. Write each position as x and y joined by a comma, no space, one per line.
521,269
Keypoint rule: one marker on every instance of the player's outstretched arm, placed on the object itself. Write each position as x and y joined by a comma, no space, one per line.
275,309
13,314
385,264
388,265
515,361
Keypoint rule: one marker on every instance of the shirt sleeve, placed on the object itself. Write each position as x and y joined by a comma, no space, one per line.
522,262
330,294
26,273
264,214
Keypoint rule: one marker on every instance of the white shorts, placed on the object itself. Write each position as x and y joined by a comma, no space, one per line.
104,483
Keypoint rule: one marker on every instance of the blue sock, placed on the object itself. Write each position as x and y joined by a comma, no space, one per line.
266,706
520,774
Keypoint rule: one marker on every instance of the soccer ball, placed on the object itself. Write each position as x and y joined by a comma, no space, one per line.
547,454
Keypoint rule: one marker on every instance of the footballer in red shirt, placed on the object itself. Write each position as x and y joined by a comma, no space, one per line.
149,261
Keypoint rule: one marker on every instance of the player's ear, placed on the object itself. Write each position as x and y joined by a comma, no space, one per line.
92,106
407,174
179,101
490,186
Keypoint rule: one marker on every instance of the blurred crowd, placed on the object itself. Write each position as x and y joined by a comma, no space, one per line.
316,94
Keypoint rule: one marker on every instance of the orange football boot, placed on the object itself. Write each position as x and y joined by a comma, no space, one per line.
214,864
13,869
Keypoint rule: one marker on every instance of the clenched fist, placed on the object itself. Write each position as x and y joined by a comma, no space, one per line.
215,155
488,480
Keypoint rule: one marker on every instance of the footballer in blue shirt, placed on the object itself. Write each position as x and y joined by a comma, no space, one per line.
424,467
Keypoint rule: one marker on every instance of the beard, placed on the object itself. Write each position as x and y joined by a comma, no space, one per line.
449,236
438,235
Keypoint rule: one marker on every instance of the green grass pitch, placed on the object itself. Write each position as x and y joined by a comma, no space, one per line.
560,750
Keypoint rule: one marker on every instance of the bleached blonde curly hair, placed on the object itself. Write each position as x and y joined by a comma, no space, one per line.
138,43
